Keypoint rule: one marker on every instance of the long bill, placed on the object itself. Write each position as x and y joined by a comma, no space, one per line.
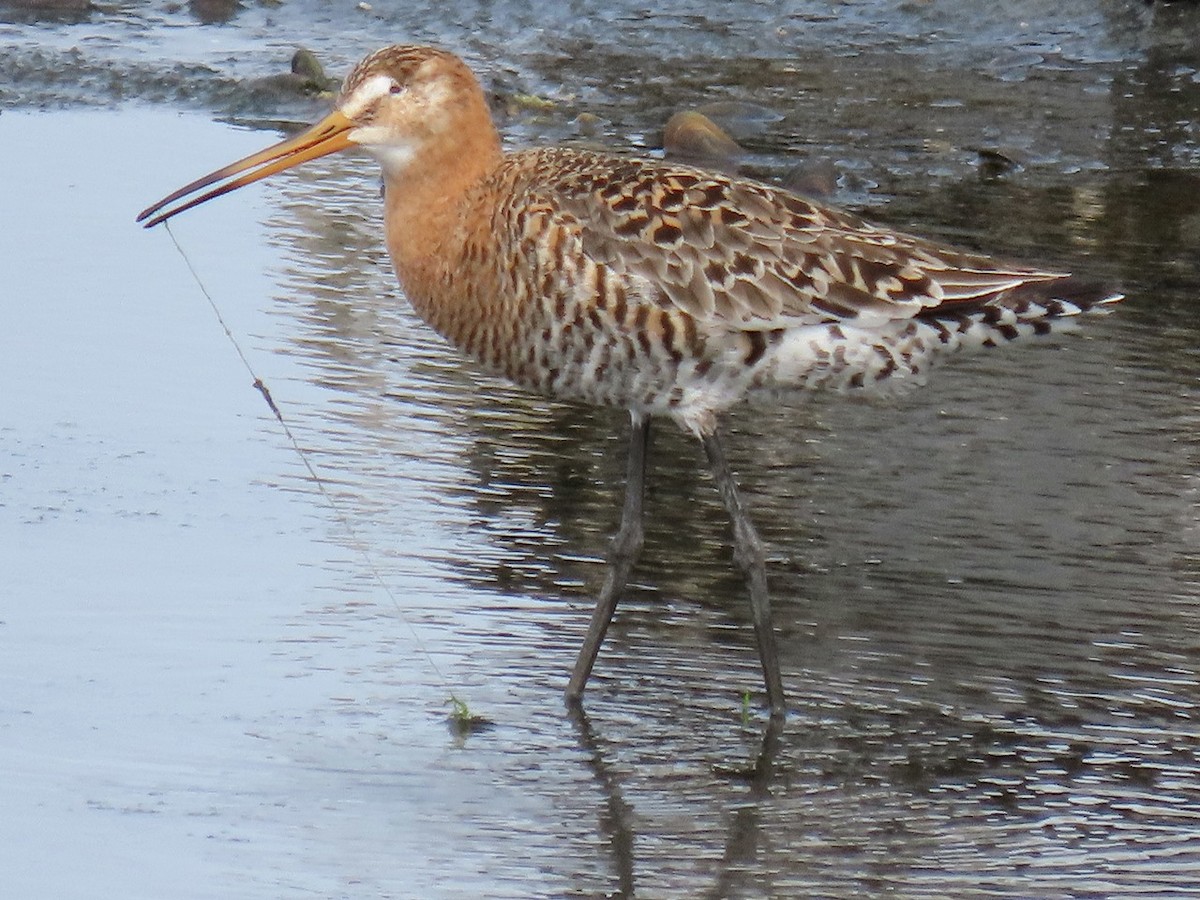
329,135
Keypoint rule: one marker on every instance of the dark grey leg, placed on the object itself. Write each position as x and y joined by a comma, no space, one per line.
750,555
625,549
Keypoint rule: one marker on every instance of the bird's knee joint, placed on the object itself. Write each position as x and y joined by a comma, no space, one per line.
749,551
628,542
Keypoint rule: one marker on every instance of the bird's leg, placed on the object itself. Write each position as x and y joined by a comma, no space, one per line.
750,555
625,549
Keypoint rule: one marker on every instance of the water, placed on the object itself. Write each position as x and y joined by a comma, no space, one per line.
986,592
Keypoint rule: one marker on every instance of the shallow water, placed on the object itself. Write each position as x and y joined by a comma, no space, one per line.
987,592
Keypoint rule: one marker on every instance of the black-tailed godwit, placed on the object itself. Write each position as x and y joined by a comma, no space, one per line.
663,289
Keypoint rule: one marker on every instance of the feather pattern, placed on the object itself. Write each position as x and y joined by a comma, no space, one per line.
749,255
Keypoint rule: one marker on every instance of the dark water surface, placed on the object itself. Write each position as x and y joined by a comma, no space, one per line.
988,593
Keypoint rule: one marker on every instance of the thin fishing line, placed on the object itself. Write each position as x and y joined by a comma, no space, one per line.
341,517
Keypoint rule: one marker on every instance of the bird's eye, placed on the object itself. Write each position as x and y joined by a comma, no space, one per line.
396,88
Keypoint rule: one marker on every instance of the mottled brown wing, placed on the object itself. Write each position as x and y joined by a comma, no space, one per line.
755,256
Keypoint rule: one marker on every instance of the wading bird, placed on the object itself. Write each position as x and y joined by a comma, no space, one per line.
662,289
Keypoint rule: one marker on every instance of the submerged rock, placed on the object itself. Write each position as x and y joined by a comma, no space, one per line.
214,12
29,11
48,4
816,179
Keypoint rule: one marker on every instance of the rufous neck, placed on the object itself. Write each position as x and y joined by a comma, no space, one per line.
424,201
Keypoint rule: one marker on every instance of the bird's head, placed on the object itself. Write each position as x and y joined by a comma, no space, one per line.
395,104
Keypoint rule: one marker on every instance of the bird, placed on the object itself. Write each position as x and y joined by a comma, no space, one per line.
666,290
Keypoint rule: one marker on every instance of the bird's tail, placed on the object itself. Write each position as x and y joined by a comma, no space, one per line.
890,361
1032,309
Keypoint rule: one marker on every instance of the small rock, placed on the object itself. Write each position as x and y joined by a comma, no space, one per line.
694,138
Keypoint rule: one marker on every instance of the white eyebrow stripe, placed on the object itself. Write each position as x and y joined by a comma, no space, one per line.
367,93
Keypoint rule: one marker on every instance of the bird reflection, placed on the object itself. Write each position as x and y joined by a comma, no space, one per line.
617,823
